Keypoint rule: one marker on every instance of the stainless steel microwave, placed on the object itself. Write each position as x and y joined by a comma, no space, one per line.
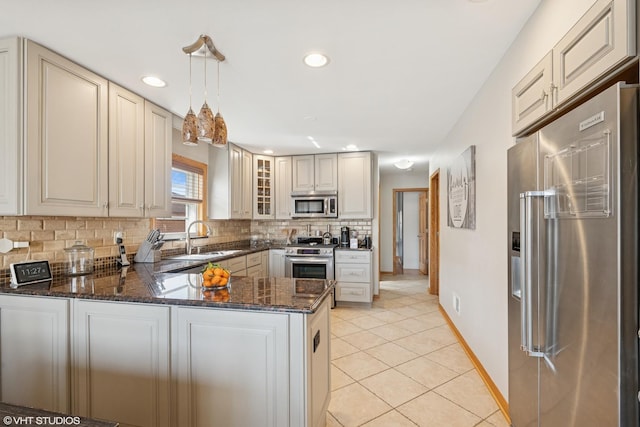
314,206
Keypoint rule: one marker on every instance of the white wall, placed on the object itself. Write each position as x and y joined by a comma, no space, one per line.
473,263
389,182
410,225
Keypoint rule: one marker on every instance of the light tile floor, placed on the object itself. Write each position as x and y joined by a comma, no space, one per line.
398,364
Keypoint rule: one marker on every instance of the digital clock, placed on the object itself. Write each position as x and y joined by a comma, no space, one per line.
26,273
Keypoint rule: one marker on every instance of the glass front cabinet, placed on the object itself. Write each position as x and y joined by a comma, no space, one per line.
263,190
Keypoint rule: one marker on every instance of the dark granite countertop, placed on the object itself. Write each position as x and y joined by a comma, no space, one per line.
141,283
22,415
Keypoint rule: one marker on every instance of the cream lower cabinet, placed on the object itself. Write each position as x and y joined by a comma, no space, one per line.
122,362
276,263
258,264
353,275
236,266
34,361
251,368
231,368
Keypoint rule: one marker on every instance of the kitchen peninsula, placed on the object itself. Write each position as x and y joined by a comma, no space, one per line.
154,348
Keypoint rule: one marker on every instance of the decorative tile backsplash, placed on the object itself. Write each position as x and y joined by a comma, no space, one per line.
49,236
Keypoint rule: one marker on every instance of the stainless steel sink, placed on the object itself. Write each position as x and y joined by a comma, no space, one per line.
205,256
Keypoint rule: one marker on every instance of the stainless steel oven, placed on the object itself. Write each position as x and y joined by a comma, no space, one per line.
309,262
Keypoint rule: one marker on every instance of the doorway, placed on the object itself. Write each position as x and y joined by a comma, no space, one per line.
434,226
410,233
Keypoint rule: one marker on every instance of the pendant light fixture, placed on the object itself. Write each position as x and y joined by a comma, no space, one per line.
220,131
190,124
206,122
210,129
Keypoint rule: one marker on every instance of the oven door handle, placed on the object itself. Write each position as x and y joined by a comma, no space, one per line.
308,259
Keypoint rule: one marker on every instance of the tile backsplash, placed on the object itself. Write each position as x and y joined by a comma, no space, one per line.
49,236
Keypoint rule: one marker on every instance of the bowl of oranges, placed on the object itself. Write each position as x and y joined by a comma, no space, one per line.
214,276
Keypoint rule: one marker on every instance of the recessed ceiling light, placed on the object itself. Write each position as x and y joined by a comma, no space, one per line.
316,60
268,151
154,81
351,147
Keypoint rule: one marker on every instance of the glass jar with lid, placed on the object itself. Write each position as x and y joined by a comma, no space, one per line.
79,259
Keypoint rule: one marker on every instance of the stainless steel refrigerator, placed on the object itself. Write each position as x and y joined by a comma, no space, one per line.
573,267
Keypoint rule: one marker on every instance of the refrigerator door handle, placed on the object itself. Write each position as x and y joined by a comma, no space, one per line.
526,247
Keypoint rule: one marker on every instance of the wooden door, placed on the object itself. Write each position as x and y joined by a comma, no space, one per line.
434,226
423,233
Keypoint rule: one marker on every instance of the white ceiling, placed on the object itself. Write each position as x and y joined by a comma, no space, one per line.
400,73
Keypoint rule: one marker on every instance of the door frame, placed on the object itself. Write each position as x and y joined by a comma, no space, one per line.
395,219
434,233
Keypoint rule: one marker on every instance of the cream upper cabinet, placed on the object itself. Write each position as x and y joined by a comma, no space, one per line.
126,152
326,172
157,161
66,136
283,187
303,174
602,41
230,183
10,131
532,95
355,185
139,156
263,187
317,173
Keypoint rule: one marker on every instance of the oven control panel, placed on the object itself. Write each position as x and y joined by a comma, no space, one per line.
309,251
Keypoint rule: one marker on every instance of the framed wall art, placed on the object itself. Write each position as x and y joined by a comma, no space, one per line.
461,190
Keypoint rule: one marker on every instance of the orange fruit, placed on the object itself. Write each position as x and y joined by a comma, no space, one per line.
208,274
223,281
225,274
207,283
216,280
218,271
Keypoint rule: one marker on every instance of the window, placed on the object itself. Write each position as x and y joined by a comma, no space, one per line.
188,197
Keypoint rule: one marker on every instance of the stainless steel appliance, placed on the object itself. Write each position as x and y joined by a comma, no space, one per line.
573,276
314,206
344,237
309,259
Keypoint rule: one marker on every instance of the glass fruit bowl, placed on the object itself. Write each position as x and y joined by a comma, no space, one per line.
214,276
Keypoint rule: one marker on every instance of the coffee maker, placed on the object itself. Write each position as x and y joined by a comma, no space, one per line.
344,237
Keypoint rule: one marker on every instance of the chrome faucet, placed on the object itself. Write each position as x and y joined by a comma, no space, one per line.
189,237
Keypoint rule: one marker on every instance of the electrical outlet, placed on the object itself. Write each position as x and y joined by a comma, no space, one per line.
456,303
117,235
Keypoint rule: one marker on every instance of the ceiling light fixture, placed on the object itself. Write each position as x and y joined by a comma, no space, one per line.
403,164
154,81
316,60
351,147
268,151
210,129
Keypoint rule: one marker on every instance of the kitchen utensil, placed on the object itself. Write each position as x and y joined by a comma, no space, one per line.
79,259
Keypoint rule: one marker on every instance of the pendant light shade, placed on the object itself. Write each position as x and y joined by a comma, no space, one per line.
220,131
190,123
220,134
206,122
190,129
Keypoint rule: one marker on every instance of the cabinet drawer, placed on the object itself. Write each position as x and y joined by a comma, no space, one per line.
360,273
358,257
354,292
254,259
235,265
